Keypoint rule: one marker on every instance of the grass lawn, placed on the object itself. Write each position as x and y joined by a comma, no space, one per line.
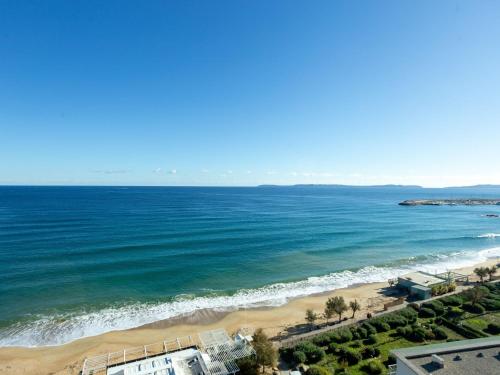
481,321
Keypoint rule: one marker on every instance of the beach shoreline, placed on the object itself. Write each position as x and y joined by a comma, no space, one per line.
68,358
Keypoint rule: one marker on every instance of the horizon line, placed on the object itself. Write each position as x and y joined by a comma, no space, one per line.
259,185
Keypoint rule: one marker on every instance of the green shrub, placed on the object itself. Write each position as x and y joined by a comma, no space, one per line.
380,325
440,333
436,306
345,335
417,334
313,353
369,352
415,306
494,328
248,366
494,288
425,312
395,320
474,309
355,344
349,355
369,328
332,348
485,290
372,339
403,331
318,370
452,301
391,359
354,332
374,367
362,332
490,304
322,340
409,314
454,312
299,357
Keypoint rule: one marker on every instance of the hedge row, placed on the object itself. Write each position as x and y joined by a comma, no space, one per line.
466,331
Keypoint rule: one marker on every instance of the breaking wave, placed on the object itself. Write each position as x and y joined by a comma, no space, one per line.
63,328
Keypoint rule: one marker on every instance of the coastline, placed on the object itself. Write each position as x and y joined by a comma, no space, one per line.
68,358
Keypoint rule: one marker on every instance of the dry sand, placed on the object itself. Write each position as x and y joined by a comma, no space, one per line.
68,359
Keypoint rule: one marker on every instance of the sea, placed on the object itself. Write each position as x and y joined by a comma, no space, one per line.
82,261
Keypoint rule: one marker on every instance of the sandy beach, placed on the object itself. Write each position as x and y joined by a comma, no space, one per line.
68,359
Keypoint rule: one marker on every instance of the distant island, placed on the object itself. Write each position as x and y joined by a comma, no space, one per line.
451,202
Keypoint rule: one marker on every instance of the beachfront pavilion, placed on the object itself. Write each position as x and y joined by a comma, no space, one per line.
419,284
465,357
213,353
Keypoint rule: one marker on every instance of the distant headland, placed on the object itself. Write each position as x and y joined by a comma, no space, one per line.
451,202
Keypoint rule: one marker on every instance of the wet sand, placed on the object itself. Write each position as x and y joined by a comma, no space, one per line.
68,358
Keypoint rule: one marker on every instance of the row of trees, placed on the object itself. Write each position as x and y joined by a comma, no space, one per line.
482,272
334,306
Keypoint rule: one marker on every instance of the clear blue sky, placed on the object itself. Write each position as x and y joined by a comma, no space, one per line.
249,92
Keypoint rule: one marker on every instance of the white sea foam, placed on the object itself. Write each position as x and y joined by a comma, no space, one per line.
489,235
59,329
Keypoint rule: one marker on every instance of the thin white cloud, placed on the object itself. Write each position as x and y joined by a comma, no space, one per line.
158,170
172,171
111,171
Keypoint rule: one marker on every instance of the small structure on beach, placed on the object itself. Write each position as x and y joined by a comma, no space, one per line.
419,284
213,353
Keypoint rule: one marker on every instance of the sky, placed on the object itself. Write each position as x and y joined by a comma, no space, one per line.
249,92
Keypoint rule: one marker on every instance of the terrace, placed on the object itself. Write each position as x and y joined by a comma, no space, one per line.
211,353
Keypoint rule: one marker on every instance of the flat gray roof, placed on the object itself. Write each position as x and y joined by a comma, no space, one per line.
477,356
422,278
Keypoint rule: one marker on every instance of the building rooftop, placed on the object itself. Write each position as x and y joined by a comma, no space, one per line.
477,356
422,278
214,354
184,362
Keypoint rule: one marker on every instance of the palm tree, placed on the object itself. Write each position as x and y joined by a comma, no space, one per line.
482,272
338,305
354,306
491,271
311,317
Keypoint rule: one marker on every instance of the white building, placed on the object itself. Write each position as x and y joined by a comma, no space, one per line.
466,357
215,353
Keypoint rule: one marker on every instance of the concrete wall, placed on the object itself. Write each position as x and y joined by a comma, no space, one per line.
403,283
421,293
403,369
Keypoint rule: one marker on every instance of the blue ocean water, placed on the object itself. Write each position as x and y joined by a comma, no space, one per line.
79,261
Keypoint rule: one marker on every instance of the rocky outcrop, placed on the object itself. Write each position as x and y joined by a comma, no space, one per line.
451,202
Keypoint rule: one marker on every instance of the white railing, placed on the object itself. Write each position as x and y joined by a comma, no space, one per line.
393,369
99,364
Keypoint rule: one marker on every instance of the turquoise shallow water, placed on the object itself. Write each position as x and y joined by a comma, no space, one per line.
79,261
